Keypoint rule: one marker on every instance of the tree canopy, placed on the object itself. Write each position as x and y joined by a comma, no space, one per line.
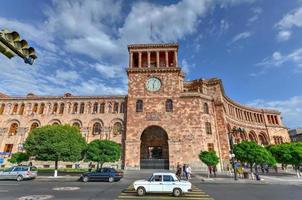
252,153
287,153
19,157
102,151
55,143
209,158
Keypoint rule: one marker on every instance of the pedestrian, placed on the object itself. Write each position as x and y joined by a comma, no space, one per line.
210,170
184,171
90,167
178,170
256,173
266,168
189,172
30,164
214,170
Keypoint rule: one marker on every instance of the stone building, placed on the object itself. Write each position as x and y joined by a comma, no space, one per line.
162,120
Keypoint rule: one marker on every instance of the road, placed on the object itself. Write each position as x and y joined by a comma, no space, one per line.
10,190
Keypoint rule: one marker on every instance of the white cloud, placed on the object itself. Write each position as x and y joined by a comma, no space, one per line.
285,25
256,12
185,66
109,71
241,36
291,19
291,109
292,59
283,36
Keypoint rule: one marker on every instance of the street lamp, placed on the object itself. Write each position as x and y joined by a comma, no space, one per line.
230,134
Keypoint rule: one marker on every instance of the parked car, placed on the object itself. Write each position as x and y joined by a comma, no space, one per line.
162,183
19,173
103,174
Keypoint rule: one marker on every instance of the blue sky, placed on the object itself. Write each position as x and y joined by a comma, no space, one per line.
254,46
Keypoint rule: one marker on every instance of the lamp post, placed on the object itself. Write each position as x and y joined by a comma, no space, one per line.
234,130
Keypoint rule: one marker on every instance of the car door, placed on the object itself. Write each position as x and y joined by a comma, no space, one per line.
156,184
6,172
168,183
105,173
14,173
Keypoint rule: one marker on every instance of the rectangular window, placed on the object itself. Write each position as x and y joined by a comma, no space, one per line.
211,147
168,178
8,148
208,128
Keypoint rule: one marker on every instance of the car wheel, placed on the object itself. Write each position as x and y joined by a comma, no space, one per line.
141,191
176,192
19,178
85,179
111,179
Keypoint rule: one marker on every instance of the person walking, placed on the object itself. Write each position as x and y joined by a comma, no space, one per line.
178,170
90,167
214,170
189,172
184,171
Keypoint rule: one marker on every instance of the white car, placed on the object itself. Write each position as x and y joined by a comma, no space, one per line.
162,183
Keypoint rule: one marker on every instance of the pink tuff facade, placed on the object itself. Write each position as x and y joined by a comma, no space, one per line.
162,118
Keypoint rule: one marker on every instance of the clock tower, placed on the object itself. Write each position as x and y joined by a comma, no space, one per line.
155,82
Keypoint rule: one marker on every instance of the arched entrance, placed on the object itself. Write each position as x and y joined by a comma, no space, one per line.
154,149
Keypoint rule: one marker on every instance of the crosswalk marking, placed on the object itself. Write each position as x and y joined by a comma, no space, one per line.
195,194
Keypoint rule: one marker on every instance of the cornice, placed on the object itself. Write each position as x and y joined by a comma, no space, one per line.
146,46
154,70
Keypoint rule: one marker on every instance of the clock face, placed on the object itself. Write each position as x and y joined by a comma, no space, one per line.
153,84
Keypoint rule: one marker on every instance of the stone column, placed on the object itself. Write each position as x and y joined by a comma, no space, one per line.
131,60
175,59
139,59
157,59
167,59
149,58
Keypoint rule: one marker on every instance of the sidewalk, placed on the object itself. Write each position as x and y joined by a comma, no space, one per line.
280,179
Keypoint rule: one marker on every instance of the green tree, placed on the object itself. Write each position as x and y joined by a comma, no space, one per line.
102,151
252,153
209,158
19,157
289,154
56,143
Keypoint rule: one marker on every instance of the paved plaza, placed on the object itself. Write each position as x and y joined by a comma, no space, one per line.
69,188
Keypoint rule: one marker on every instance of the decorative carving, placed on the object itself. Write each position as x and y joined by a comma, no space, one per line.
152,116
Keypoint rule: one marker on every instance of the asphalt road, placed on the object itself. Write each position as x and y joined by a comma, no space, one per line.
12,190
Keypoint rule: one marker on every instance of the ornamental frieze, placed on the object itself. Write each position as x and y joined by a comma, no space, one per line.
152,116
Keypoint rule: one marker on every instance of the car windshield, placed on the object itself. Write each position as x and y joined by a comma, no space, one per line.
150,178
8,169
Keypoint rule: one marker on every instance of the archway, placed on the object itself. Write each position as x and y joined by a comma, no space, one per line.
154,149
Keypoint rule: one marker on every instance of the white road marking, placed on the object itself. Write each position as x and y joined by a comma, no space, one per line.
36,197
3,190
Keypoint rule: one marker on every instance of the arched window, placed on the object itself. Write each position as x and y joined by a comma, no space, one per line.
252,137
97,128
21,110
82,108
2,109
42,106
15,109
13,129
208,128
205,108
75,108
117,128
95,107
55,108
109,108
122,108
262,139
56,123
35,108
33,126
139,106
115,107
76,124
169,105
61,111
102,108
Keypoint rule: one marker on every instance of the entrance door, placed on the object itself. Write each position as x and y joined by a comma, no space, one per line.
154,152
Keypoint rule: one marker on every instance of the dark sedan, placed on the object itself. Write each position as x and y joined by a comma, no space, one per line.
104,174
